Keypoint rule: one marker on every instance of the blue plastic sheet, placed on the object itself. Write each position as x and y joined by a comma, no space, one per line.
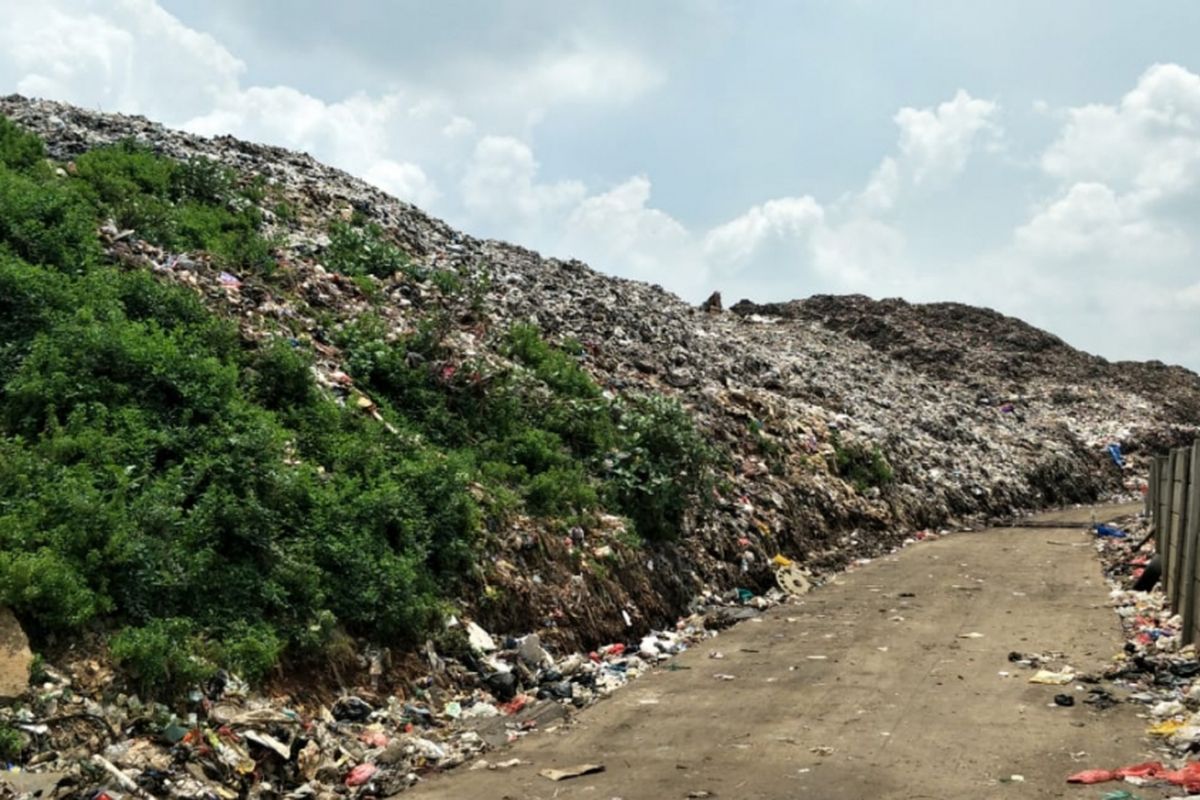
1110,531
1114,452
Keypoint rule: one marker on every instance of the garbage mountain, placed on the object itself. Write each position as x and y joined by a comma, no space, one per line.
838,425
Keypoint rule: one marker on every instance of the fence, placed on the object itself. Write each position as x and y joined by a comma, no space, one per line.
1173,501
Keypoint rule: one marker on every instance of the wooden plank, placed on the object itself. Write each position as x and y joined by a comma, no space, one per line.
1168,548
1179,513
1192,547
1179,482
1152,490
1162,508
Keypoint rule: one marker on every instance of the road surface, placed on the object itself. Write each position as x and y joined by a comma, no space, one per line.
865,688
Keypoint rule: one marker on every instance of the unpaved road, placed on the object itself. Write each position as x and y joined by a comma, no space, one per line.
905,707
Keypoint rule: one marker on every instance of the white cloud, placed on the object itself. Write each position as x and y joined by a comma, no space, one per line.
457,127
1113,225
585,73
127,55
1148,143
736,242
935,142
403,180
933,148
1091,221
500,185
861,255
635,240
1189,297
882,189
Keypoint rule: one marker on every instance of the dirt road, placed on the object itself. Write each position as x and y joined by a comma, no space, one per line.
864,689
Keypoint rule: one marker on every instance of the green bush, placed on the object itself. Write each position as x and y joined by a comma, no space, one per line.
250,650
11,743
201,180
447,282
160,656
44,223
559,370
188,205
363,251
19,151
859,465
161,476
561,491
663,468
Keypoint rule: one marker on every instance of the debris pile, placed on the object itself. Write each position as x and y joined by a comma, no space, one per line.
1155,669
844,424
82,737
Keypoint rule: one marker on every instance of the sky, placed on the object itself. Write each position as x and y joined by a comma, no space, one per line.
1042,159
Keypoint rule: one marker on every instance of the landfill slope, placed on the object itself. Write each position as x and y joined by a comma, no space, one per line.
974,414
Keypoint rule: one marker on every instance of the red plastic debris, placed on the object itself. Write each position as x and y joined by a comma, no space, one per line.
1093,776
516,704
374,739
1150,769
1188,777
361,774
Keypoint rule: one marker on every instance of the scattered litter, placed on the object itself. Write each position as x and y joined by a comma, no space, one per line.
361,774
1165,728
1051,678
571,772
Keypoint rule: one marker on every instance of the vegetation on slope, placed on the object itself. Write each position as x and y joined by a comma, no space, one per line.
160,475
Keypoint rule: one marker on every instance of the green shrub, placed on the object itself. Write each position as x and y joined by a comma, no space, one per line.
663,469
231,237
46,224
202,180
31,298
447,282
45,587
861,466
160,475
560,491
160,656
363,251
250,651
280,376
11,743
188,205
19,150
560,371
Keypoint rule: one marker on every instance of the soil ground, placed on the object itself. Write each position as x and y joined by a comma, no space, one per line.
859,690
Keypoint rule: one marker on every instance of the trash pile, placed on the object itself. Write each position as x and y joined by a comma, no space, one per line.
1154,669
975,412
844,425
84,739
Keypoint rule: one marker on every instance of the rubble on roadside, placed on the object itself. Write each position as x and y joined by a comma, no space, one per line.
1154,669
83,738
